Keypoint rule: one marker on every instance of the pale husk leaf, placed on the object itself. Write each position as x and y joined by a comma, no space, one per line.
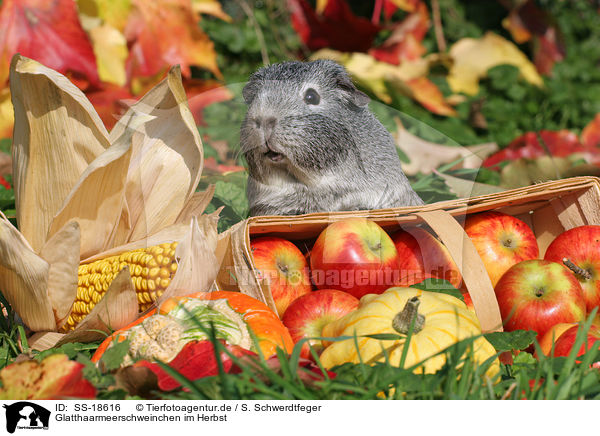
115,310
61,252
166,163
96,200
57,133
42,341
24,278
197,265
196,205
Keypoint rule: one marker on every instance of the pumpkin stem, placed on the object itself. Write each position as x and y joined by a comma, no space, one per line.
402,320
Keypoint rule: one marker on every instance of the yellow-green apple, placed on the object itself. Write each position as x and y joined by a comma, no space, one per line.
283,265
579,249
537,294
421,256
501,241
309,313
564,344
354,255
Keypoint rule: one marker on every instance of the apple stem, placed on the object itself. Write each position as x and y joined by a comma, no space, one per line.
402,321
576,269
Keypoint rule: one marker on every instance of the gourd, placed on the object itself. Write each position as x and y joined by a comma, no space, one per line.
440,320
238,319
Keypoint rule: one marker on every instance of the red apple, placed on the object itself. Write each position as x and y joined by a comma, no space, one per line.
565,342
309,313
501,241
580,246
537,294
421,256
354,255
284,266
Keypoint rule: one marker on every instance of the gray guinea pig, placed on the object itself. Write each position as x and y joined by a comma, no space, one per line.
312,145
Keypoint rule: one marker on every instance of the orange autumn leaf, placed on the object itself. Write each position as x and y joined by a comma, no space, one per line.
162,33
590,136
55,377
430,96
49,32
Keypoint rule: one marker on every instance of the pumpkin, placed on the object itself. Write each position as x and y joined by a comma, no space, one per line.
440,320
248,312
236,317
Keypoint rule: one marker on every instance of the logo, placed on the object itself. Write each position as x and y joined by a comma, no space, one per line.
26,415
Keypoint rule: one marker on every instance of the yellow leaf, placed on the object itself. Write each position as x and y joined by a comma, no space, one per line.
110,48
472,58
111,12
6,114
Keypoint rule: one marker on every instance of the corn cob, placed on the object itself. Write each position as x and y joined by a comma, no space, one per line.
151,272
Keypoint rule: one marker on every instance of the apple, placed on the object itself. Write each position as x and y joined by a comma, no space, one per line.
501,241
283,265
309,313
565,342
537,294
354,255
421,256
549,338
580,247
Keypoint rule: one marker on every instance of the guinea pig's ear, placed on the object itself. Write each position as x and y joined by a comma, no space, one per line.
357,97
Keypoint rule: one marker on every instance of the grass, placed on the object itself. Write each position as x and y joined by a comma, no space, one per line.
289,377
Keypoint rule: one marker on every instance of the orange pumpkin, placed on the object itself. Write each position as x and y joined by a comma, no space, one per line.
241,309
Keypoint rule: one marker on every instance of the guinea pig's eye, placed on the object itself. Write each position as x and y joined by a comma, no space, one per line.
311,96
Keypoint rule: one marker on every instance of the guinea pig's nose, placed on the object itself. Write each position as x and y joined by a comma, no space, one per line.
267,124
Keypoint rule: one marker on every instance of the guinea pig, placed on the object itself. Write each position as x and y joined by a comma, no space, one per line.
312,144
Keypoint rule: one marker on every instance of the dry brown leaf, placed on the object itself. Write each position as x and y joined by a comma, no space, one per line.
427,156
24,278
167,159
473,57
57,134
197,265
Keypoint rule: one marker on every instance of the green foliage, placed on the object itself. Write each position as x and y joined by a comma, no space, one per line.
439,285
515,340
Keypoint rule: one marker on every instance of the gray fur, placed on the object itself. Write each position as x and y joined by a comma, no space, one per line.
336,155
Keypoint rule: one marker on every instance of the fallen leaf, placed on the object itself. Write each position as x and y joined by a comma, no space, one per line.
590,136
561,143
427,156
111,12
405,42
163,33
210,7
110,48
337,27
527,22
49,32
54,378
429,95
463,188
474,57
525,172
201,93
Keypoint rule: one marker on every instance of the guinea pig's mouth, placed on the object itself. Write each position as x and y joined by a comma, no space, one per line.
273,155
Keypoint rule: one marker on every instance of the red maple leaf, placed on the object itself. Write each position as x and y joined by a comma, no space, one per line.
337,28
590,136
48,31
